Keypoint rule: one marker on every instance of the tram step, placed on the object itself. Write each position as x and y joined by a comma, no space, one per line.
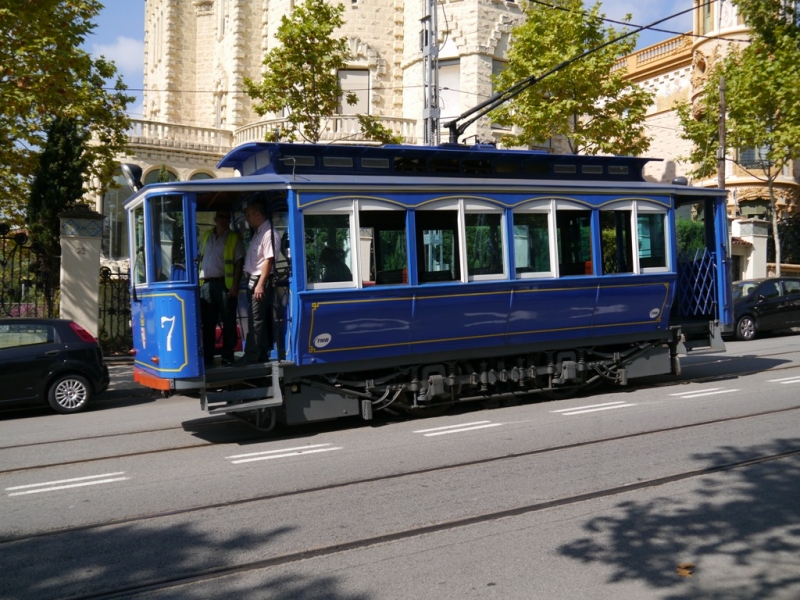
238,400
231,408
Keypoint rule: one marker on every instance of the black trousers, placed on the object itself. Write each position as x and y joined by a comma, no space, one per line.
259,321
216,306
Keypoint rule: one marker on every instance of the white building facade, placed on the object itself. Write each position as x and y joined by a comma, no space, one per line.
197,53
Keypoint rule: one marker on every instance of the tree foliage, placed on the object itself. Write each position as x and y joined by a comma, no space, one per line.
762,81
589,101
45,74
301,74
57,185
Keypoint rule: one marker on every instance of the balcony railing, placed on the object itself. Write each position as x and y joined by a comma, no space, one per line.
668,49
219,141
338,128
183,137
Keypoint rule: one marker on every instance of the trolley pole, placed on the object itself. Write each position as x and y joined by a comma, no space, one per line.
430,72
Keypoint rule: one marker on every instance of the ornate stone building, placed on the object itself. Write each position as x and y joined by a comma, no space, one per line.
197,53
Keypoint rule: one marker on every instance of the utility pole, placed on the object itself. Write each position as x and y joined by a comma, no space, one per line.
721,149
430,72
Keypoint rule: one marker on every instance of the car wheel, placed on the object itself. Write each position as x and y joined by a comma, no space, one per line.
745,328
69,394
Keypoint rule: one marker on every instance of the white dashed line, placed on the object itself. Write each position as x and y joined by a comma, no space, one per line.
282,453
706,392
579,410
785,380
457,428
56,485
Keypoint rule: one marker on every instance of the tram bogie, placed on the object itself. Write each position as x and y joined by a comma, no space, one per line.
409,279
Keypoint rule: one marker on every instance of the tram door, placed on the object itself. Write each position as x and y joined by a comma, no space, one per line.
164,313
703,286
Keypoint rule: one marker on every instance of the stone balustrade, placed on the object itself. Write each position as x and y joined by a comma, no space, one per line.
337,128
655,53
219,141
183,137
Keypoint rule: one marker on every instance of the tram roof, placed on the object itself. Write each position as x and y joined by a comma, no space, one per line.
479,168
446,160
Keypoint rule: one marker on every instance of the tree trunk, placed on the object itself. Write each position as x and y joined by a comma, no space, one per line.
775,234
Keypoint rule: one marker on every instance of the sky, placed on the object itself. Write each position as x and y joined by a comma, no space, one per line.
119,35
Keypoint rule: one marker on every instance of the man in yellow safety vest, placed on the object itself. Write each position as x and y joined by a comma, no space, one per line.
221,265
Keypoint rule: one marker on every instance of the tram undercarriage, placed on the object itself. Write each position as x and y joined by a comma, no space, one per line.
289,396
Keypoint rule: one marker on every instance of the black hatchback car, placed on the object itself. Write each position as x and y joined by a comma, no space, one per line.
53,361
765,304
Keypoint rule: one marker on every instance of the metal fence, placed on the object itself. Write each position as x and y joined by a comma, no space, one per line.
115,312
22,278
27,291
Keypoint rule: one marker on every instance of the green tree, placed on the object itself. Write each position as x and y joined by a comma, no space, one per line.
762,81
301,75
589,101
44,73
57,185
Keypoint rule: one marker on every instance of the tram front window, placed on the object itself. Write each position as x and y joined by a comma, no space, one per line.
139,265
169,247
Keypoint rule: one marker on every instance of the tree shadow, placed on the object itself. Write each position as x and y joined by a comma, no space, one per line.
740,528
96,561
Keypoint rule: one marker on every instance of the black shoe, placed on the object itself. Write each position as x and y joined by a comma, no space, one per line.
226,362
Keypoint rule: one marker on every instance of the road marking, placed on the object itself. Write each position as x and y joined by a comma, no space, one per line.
579,410
785,380
457,428
706,392
55,485
282,453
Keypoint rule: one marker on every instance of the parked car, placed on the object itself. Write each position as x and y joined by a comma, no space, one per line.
53,361
765,304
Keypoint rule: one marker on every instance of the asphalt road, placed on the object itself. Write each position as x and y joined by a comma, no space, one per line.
681,488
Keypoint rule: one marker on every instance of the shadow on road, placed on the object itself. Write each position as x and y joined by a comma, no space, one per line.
92,562
740,529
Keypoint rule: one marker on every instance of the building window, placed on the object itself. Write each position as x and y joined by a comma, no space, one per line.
115,230
155,175
449,89
201,175
706,21
754,158
354,81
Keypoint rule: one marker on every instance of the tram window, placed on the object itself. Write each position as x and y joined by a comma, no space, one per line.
531,243
437,246
383,247
574,242
443,165
139,266
328,248
403,164
690,229
616,241
485,250
169,247
652,240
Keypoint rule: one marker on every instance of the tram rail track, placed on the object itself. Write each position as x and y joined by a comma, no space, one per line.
382,478
176,581
708,379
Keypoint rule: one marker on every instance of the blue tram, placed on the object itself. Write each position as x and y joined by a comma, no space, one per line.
417,277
